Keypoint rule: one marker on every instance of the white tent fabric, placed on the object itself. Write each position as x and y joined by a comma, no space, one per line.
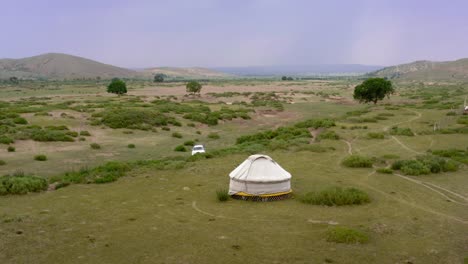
259,175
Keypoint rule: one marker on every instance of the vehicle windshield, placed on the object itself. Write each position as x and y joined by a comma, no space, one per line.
198,148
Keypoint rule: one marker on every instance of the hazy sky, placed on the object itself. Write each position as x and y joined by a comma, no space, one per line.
236,32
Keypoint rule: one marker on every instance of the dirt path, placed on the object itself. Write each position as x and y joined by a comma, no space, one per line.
434,188
405,146
313,221
428,210
350,147
419,115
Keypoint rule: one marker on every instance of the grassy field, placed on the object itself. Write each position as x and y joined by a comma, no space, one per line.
171,214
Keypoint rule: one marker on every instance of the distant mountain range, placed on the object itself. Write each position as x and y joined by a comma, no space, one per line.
426,71
301,70
59,66
63,66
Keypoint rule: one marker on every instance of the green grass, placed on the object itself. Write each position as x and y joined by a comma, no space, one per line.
222,195
21,184
151,202
336,196
357,161
346,235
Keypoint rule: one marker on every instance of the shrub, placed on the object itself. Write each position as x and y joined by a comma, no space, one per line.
95,146
11,149
401,131
108,172
375,135
455,154
213,135
21,184
131,146
189,143
2,162
425,165
336,196
198,132
180,148
451,113
329,135
176,135
6,140
40,157
385,170
346,235
222,195
356,161
166,128
85,133
20,121
390,156
142,119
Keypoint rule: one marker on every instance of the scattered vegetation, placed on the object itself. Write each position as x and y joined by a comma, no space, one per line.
180,148
425,165
131,146
346,235
357,161
95,146
222,195
385,170
375,135
214,135
401,131
336,196
40,157
19,183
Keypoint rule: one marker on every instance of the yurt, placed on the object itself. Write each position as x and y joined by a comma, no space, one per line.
260,178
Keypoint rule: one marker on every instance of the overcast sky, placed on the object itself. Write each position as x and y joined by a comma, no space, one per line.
214,33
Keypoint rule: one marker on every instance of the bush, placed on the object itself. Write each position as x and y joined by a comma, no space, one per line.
176,135
189,143
11,149
222,195
6,140
346,235
131,146
166,128
40,157
329,135
356,161
213,135
375,135
2,162
20,121
108,172
455,154
390,156
401,131
95,146
85,133
385,170
180,148
142,119
21,184
425,165
336,196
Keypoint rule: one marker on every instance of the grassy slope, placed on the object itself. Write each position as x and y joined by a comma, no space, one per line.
148,217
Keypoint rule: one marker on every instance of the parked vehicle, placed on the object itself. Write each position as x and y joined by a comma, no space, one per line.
198,149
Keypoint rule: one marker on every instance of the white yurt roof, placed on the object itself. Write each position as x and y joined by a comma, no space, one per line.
259,168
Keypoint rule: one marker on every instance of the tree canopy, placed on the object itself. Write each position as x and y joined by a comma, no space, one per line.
159,77
117,86
373,90
193,87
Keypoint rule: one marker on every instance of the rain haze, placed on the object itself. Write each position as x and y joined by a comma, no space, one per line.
212,33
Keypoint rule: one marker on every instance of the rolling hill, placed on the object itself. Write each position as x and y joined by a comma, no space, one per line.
60,66
193,72
427,71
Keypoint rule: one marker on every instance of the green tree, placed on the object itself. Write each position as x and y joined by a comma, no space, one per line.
193,87
159,77
117,86
373,90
